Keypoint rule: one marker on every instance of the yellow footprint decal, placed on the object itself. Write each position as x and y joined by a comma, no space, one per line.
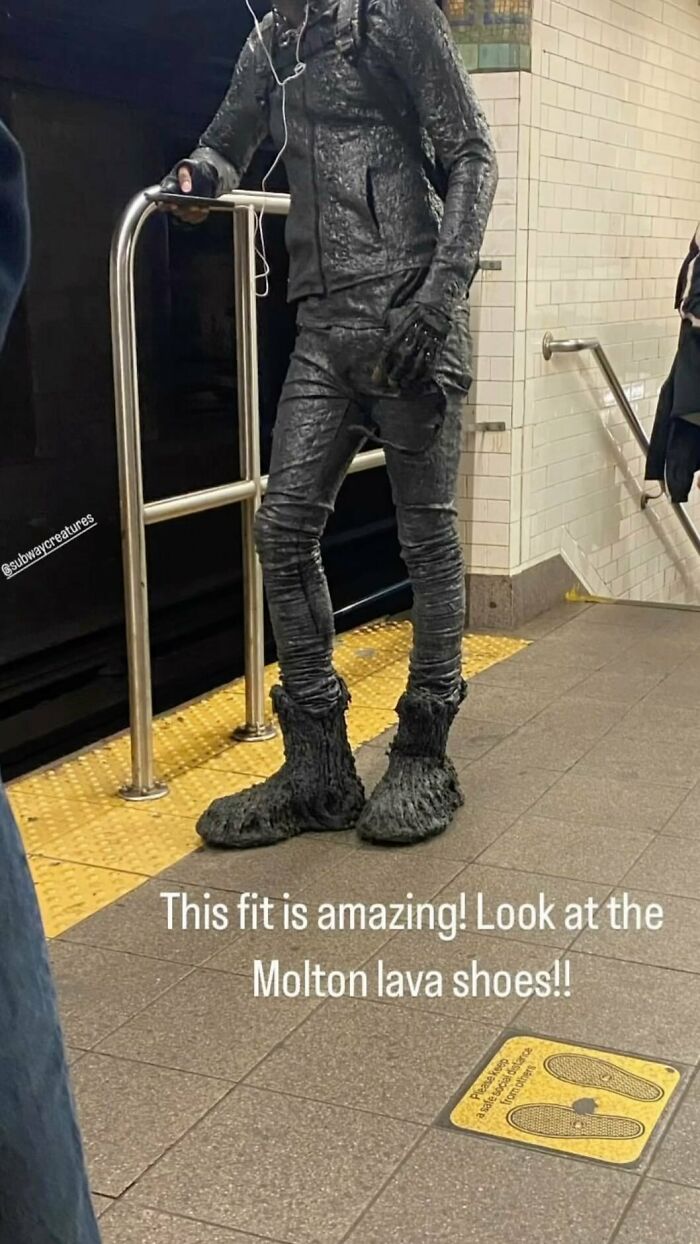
563,1123
596,1073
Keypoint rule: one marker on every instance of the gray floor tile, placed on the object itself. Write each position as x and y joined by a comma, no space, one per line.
371,765
580,648
487,702
675,945
678,690
520,673
575,714
689,667
381,875
631,1007
678,1158
685,822
288,866
670,762
336,838
384,1059
653,654
101,1204
552,659
669,866
661,722
588,853
99,989
470,737
138,923
618,687
72,1055
534,745
128,1224
563,614
299,1171
471,832
130,1114
662,1212
637,617
341,951
583,798
382,741
415,952
211,1024
678,621
514,785
614,637
508,886
457,1189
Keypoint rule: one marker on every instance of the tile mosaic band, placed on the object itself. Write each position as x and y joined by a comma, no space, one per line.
493,34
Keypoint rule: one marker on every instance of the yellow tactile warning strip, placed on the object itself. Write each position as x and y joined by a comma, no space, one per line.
592,1103
87,847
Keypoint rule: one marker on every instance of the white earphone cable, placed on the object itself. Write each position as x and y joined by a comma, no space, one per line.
299,68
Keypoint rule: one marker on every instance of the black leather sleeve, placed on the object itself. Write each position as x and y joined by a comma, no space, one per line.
414,36
230,141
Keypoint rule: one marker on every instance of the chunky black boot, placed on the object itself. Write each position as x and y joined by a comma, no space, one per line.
419,793
317,788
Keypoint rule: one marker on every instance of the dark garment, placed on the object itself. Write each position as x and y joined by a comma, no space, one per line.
674,449
362,205
14,228
375,304
44,1197
328,406
688,287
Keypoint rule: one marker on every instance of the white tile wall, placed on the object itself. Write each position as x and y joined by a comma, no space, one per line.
600,193
486,477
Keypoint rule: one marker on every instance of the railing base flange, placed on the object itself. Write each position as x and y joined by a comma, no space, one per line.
254,734
134,795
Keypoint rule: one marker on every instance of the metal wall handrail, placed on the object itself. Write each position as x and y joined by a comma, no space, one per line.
137,514
577,345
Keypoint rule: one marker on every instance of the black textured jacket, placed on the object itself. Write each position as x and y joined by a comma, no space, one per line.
362,205
674,450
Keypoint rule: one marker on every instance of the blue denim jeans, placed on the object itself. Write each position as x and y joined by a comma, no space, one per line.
44,1196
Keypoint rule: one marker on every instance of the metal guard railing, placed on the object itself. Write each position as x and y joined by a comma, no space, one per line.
577,345
137,514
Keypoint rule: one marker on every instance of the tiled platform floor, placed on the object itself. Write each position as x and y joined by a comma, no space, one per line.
213,1118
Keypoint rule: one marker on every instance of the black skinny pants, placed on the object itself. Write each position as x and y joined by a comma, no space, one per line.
328,405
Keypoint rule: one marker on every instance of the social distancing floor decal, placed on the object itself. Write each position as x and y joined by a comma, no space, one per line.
592,1103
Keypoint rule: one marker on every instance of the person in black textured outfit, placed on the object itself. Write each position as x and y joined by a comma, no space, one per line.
380,125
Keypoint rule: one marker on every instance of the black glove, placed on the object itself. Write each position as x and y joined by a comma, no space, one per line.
415,337
205,179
